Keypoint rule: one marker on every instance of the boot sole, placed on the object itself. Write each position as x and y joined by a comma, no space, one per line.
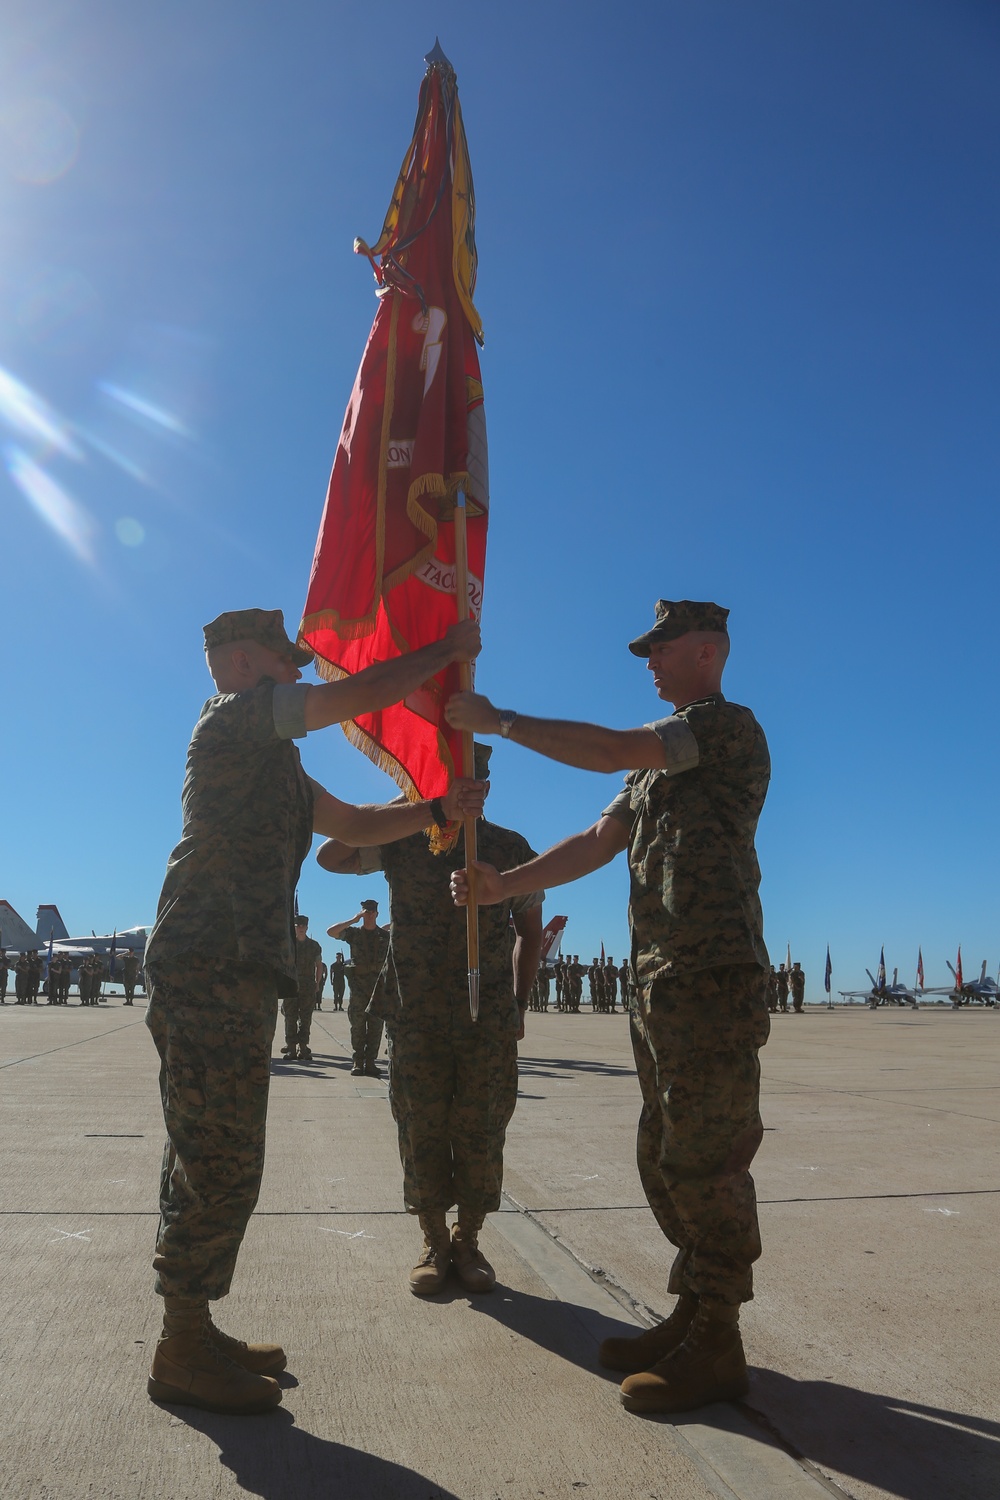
675,1402
172,1395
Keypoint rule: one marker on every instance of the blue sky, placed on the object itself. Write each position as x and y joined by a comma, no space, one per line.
737,276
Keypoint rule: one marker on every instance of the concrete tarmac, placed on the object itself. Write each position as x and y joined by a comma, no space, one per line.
876,1362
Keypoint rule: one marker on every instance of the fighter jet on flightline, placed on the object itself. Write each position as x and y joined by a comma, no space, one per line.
981,991
885,994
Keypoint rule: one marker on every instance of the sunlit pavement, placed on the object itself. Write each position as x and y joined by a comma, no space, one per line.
872,1336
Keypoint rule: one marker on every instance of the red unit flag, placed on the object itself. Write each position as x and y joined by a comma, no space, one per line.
413,442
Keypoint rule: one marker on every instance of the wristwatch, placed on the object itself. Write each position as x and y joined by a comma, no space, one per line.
506,717
439,814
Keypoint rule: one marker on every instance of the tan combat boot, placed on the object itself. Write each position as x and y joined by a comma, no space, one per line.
708,1366
643,1350
190,1369
259,1359
471,1266
431,1271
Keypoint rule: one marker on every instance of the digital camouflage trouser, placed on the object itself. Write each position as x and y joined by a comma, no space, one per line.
366,1031
695,1040
452,1098
298,1013
213,1029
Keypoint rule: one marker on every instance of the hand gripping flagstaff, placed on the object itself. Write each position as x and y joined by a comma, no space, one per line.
468,758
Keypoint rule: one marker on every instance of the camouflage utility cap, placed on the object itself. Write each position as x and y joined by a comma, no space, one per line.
369,906
265,626
675,617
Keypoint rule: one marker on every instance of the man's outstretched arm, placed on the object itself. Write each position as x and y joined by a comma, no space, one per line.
573,858
384,823
389,682
592,747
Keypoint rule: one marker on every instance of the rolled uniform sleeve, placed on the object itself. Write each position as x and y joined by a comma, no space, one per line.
680,747
289,709
621,808
680,754
370,860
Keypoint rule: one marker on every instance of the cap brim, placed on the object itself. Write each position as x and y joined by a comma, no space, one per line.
301,657
643,644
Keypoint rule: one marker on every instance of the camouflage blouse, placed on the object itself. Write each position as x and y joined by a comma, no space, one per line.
429,950
247,806
692,861
308,954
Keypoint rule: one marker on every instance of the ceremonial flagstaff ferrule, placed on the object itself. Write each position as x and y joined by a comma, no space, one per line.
507,718
474,994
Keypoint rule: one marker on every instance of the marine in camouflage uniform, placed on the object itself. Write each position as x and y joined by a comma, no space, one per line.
595,976
4,971
797,985
221,954
130,973
781,984
452,1082
687,816
610,984
369,945
338,981
298,1009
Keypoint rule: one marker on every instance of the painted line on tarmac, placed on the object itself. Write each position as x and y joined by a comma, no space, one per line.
80,1042
737,1451
631,1208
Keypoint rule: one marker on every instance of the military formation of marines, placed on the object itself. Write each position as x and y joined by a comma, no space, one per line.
784,981
91,974
224,951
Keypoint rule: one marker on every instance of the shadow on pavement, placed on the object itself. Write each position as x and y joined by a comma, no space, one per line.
271,1457
320,1067
548,1067
908,1450
564,1328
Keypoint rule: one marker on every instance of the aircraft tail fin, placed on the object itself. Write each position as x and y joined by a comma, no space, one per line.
552,939
14,930
50,924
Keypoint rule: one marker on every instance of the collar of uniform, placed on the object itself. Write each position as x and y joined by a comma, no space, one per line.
708,698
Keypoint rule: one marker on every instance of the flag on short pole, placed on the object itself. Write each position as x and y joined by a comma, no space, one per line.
880,977
829,970
788,959
413,444
602,952
920,969
958,969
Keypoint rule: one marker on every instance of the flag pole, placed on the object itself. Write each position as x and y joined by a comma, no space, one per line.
468,756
